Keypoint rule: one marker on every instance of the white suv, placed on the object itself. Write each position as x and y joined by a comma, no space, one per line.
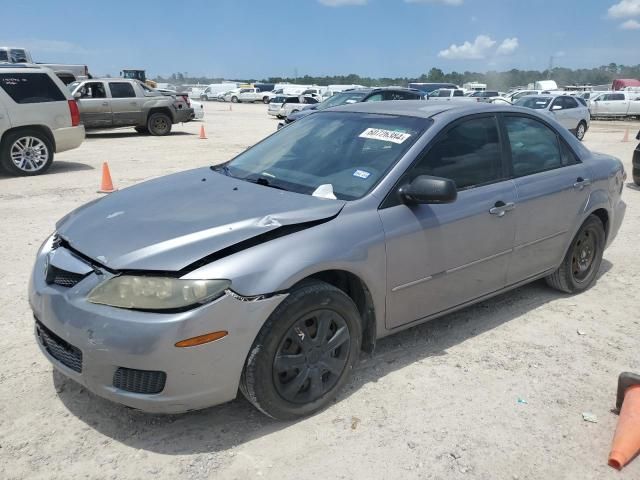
38,117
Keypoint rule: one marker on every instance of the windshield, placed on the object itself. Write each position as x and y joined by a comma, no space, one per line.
341,99
536,103
345,152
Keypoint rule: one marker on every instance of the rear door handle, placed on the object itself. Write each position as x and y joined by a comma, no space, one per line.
133,103
581,183
105,104
500,208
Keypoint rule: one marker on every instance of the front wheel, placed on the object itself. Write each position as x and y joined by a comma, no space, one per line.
581,263
581,130
26,153
234,99
265,100
304,353
159,124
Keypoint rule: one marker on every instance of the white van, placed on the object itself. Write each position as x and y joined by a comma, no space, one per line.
215,89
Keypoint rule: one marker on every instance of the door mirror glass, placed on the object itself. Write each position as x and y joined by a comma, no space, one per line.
77,95
556,107
425,189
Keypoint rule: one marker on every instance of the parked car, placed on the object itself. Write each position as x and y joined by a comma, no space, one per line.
485,95
615,104
281,105
636,162
430,87
38,118
567,110
369,218
231,95
446,93
355,96
252,95
213,91
198,110
119,102
198,107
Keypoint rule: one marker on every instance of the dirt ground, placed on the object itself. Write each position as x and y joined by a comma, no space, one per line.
495,391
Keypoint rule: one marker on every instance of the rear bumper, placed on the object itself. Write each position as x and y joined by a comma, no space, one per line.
183,115
68,138
619,211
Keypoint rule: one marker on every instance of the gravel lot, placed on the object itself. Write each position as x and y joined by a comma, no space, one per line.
445,400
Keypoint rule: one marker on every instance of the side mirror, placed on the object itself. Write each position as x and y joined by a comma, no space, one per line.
556,107
425,189
77,95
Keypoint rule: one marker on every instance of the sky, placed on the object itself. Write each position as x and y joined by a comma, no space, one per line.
238,39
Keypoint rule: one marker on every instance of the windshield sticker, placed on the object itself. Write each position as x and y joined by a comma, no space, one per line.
362,174
384,135
324,191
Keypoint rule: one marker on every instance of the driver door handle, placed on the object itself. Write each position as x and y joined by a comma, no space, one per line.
500,208
105,104
581,183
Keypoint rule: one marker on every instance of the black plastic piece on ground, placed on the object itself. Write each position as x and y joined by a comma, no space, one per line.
625,380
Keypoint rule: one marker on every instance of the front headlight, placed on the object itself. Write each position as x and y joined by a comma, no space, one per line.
156,293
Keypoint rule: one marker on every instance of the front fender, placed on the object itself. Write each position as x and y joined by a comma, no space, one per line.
353,242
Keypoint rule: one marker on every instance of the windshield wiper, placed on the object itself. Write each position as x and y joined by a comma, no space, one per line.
222,168
265,182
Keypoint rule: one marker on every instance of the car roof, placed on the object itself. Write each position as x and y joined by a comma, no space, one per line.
20,66
417,108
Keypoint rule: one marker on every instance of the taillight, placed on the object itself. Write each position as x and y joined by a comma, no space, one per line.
75,113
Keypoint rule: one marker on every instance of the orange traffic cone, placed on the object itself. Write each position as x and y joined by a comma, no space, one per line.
203,136
626,441
626,135
106,186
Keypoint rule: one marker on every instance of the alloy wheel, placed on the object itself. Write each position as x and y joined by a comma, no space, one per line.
29,154
311,356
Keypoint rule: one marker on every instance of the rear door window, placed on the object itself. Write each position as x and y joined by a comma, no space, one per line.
30,88
534,146
121,90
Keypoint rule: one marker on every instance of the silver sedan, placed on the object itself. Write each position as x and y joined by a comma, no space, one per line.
569,111
270,273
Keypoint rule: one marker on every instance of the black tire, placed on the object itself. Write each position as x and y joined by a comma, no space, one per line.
234,99
582,261
581,129
287,391
142,130
26,152
294,111
159,124
636,180
265,100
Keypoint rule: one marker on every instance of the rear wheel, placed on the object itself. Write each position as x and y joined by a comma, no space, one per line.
304,353
581,263
159,124
26,152
234,99
265,99
581,130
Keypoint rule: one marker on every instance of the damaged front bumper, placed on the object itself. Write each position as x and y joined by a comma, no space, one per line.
108,341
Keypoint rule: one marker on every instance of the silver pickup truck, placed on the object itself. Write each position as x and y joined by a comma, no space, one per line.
119,102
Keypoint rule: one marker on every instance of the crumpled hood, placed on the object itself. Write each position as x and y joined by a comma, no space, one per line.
171,222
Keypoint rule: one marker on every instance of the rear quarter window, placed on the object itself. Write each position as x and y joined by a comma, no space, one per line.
24,88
